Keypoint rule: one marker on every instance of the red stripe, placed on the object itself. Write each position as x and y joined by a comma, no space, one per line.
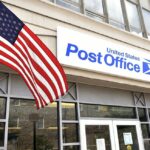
14,52
34,49
20,50
30,70
13,60
40,70
47,92
51,56
27,57
15,69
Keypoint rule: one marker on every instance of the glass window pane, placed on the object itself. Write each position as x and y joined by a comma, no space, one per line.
145,4
3,83
70,133
51,0
94,16
68,111
115,13
142,114
2,131
76,1
87,110
149,112
94,132
2,107
75,7
145,130
147,144
146,15
122,129
133,17
25,121
94,6
72,147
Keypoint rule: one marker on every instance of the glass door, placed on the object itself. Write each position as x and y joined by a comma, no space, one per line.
111,135
128,135
96,135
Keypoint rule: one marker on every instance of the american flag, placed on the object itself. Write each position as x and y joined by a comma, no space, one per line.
24,52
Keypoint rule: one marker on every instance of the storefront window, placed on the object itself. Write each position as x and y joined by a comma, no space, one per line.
3,83
68,111
2,129
70,133
95,132
2,107
72,147
30,128
87,110
145,131
142,114
147,144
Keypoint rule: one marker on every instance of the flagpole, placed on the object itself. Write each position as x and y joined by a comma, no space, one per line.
34,117
34,135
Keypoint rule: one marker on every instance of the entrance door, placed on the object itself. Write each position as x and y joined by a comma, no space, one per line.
111,135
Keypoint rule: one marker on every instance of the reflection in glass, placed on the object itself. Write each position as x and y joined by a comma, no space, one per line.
145,130
3,83
95,6
142,114
22,118
94,132
87,110
146,15
68,111
70,5
147,144
122,129
115,13
2,107
133,17
2,129
70,133
72,147
76,1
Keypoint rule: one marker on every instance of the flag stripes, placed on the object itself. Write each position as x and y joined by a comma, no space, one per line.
13,62
48,56
39,68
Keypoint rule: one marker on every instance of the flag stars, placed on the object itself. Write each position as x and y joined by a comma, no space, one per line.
7,15
3,33
14,22
3,24
19,24
6,29
9,25
17,28
9,21
5,19
12,40
2,14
